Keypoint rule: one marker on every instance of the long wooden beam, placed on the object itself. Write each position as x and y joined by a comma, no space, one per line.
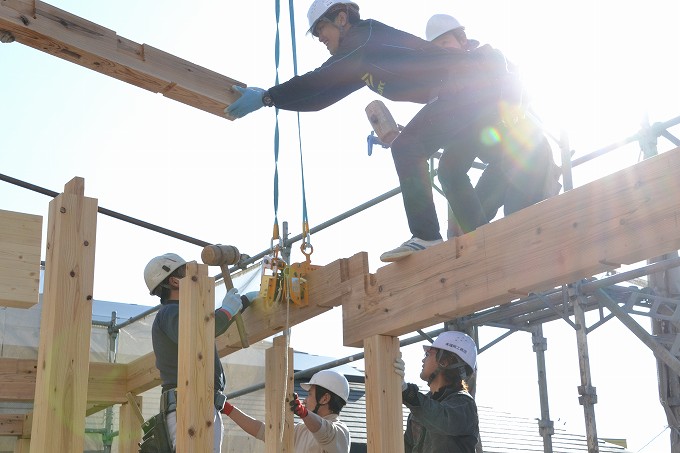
72,38
329,286
623,218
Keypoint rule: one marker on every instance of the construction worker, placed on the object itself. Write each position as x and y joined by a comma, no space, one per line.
461,91
527,173
162,275
444,419
321,430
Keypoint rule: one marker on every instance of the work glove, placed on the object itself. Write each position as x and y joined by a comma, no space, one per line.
250,100
228,407
297,408
249,298
231,304
400,369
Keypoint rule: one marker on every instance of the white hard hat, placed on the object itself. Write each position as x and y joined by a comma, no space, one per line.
440,24
319,8
458,343
330,380
159,268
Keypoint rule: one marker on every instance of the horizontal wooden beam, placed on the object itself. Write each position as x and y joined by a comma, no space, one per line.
19,259
106,383
329,286
72,38
12,424
623,218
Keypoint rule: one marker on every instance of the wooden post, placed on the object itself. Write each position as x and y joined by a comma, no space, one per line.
279,385
19,259
129,427
384,416
195,380
22,445
64,350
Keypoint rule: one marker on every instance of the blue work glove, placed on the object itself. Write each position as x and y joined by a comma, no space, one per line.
250,296
250,100
400,369
231,304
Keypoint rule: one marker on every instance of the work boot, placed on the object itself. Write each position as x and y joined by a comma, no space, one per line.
412,245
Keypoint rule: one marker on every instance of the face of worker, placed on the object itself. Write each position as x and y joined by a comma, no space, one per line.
330,33
311,401
447,41
429,364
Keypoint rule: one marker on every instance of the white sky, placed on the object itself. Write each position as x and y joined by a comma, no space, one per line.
594,69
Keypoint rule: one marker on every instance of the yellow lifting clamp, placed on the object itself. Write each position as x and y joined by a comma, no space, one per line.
296,276
272,282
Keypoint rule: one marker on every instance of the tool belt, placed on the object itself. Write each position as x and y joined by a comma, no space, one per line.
169,401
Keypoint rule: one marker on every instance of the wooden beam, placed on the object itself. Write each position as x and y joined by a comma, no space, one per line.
279,384
329,286
19,259
106,382
384,416
196,357
623,218
11,424
72,38
129,426
65,326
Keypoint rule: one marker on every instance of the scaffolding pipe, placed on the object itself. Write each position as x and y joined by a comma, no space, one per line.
324,366
587,393
545,426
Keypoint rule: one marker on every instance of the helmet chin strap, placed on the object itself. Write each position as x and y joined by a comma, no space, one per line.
316,408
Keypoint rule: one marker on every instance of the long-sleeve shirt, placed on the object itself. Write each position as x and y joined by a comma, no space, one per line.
332,437
165,339
445,421
395,64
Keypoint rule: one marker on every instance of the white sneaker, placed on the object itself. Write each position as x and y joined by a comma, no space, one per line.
412,245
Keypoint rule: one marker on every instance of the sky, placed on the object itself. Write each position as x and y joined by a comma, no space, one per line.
595,70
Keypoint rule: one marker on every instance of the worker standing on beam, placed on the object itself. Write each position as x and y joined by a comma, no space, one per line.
461,90
322,431
162,275
524,174
445,419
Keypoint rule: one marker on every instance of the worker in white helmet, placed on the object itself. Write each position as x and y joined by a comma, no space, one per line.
461,91
322,431
445,419
528,173
162,275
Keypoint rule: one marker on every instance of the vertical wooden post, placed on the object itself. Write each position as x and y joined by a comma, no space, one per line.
279,376
22,445
384,416
195,380
64,350
129,427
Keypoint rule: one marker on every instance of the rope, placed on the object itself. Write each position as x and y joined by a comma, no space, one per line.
306,237
277,48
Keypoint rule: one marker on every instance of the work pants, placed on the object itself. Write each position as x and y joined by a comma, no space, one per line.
453,123
171,420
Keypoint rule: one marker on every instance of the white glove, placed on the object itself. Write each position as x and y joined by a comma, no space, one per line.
231,304
400,369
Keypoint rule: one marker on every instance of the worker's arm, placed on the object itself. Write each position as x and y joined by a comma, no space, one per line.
247,423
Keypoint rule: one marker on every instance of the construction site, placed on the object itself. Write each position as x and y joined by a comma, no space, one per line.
77,370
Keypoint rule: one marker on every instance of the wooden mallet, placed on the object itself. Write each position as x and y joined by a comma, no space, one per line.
223,256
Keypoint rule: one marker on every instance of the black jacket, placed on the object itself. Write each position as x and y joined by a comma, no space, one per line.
395,64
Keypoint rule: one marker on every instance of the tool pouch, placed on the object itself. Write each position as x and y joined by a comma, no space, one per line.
156,438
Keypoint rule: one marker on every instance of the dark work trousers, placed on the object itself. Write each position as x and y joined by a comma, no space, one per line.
453,123
517,179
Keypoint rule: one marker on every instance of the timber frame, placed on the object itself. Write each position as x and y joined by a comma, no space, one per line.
627,217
